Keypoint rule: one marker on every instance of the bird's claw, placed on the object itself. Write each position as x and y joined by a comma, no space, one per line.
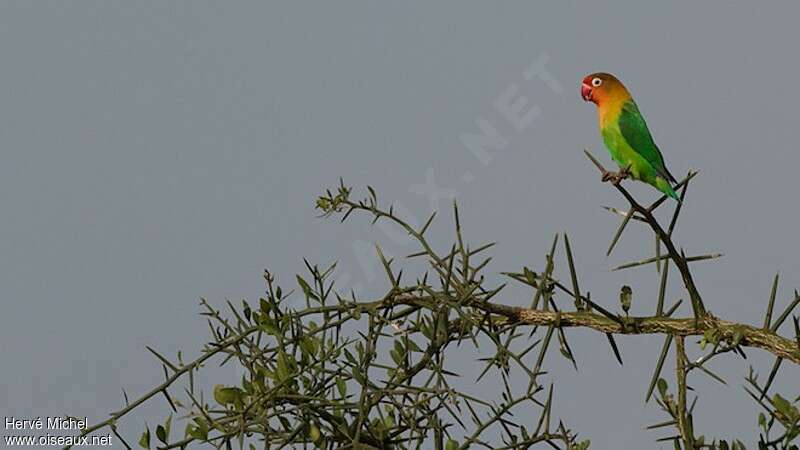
616,177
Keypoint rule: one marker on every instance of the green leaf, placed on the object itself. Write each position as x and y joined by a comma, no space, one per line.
426,329
314,433
626,298
451,445
270,328
358,376
144,441
395,357
285,366
246,310
342,386
201,431
662,387
350,358
168,427
161,434
782,405
226,395
306,288
309,345
269,325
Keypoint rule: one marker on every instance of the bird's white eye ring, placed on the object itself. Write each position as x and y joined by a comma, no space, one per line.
596,82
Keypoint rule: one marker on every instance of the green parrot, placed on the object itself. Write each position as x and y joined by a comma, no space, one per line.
625,133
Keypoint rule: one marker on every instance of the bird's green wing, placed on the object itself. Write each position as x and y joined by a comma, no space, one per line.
634,130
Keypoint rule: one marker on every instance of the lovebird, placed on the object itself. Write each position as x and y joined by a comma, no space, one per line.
625,133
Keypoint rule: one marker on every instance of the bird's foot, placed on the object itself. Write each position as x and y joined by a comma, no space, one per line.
623,174
616,177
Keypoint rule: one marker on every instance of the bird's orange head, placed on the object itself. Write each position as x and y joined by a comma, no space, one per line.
601,88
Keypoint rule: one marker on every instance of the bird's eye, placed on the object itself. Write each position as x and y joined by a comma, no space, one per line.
596,82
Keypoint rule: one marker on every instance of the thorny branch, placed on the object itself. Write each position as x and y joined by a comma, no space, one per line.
312,378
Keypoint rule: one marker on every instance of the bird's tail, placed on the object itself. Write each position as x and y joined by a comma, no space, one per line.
665,187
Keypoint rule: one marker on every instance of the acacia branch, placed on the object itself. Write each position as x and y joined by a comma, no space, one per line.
736,333
219,348
665,237
461,291
684,423
746,335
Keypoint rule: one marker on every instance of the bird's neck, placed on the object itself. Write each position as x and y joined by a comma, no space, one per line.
609,108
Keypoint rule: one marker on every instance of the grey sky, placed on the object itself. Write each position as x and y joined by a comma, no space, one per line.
157,152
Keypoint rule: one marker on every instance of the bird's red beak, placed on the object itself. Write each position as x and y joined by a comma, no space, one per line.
586,92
